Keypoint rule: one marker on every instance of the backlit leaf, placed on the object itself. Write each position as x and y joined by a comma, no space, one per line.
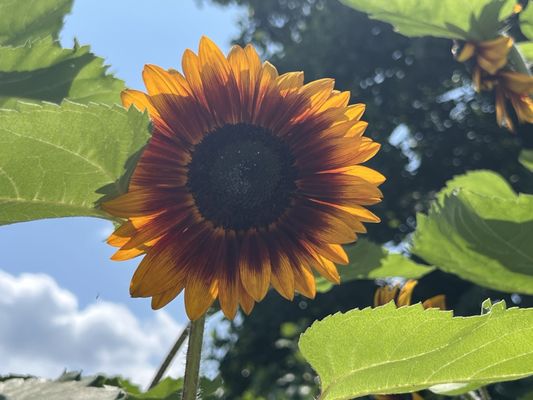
43,71
31,19
58,161
481,231
454,19
389,350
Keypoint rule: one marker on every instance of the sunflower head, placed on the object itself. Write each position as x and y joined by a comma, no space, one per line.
250,179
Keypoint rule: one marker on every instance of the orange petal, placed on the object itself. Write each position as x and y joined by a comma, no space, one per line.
355,111
156,274
404,298
327,269
191,68
228,273
385,295
368,174
290,81
438,301
304,281
121,235
134,204
140,100
245,300
466,52
161,300
199,295
335,253
159,81
254,266
282,274
123,255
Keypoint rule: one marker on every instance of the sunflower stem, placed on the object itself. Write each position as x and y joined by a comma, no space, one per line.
170,356
192,364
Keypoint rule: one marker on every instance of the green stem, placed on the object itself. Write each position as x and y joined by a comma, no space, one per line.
170,356
517,61
192,364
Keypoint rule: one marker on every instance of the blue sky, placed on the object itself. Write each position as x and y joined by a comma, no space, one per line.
128,35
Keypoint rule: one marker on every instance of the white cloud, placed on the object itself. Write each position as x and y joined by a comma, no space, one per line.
43,331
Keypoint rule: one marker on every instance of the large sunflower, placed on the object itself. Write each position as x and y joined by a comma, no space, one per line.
250,178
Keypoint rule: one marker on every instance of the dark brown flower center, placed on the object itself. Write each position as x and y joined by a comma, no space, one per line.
242,176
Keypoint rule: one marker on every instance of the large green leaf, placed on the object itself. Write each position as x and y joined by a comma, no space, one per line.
31,19
58,161
526,21
389,350
43,71
481,237
454,19
371,261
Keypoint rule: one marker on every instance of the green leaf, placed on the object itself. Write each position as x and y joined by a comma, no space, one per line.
526,49
389,350
43,71
526,159
31,19
526,21
167,389
481,182
480,231
454,19
58,161
371,261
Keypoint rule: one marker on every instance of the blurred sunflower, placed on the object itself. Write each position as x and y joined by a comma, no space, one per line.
250,178
402,297
490,73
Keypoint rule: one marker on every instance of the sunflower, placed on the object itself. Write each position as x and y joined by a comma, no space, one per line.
402,297
490,73
250,179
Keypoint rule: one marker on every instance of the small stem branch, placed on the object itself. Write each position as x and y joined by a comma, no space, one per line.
170,356
472,396
192,365
517,61
484,393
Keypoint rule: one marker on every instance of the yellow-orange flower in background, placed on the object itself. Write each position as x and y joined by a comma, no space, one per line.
250,179
489,74
490,55
402,297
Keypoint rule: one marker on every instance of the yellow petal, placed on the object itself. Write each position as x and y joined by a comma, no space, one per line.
304,281
159,81
199,295
385,295
254,266
161,300
282,275
466,52
327,269
140,100
246,301
438,301
404,298
368,174
228,296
